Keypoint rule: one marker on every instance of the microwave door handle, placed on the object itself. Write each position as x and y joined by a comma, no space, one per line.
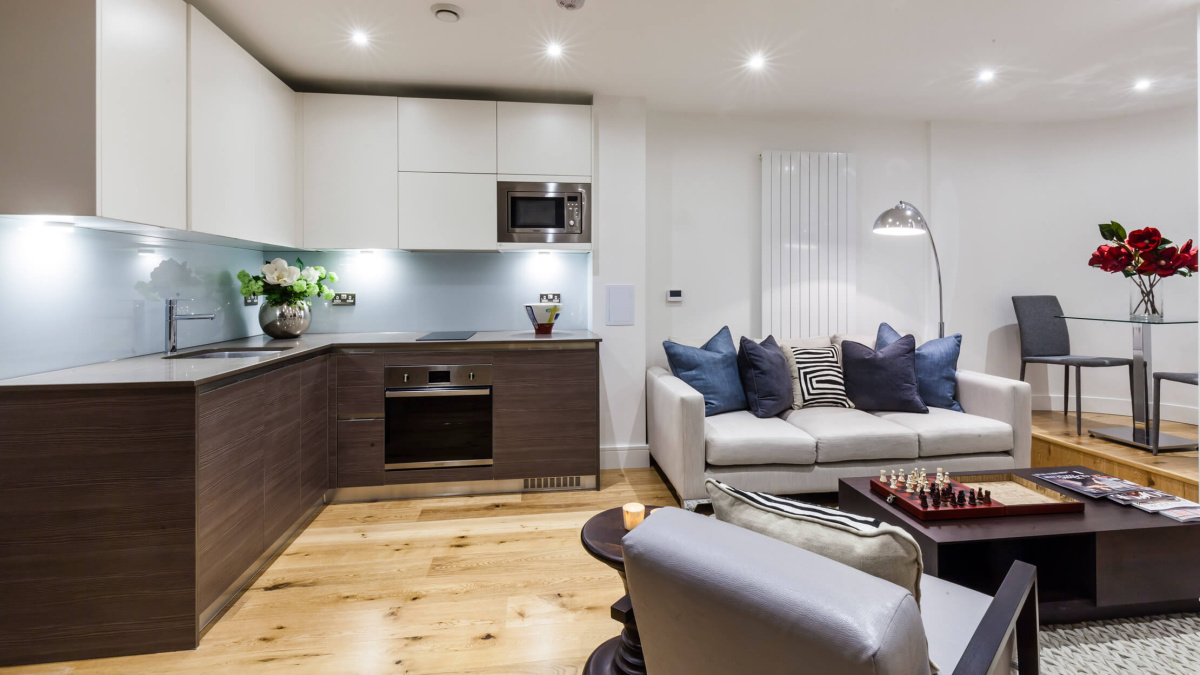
424,393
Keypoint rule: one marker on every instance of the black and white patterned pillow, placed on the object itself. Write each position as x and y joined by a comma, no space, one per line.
821,383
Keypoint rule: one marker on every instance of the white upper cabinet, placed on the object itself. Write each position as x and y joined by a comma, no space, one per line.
350,171
447,136
94,119
447,211
243,143
544,139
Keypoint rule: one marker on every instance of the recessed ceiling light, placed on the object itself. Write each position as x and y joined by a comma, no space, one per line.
554,50
571,4
757,62
1142,85
987,75
360,38
446,12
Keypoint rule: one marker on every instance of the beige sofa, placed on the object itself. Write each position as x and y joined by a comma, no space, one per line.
808,450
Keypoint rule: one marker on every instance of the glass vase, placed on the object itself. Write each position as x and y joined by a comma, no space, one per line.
1145,300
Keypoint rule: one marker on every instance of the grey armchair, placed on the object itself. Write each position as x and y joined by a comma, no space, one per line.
1045,339
711,598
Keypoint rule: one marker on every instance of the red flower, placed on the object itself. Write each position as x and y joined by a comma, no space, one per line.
1164,262
1111,258
1186,258
1146,239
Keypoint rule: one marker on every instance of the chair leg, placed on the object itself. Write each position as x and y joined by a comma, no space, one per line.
1026,630
1023,364
1157,417
1078,402
1066,390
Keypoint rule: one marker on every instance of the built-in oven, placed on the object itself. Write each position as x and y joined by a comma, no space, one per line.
543,213
437,416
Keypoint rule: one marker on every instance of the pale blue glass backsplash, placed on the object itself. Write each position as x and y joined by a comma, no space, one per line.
426,291
74,296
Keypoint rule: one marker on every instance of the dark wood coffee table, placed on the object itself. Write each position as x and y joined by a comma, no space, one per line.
1109,561
622,655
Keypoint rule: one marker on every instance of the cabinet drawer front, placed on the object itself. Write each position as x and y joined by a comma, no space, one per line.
366,370
358,402
360,452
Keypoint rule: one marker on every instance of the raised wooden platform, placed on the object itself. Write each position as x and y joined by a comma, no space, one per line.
1055,444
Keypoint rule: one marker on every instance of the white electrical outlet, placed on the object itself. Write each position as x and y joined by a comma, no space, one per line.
344,299
551,297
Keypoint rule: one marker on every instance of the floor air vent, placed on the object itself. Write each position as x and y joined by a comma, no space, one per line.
556,483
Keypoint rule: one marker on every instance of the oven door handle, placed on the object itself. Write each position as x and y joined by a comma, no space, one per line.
424,393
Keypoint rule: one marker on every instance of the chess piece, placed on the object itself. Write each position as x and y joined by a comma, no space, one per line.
962,498
883,476
971,498
937,498
924,500
987,496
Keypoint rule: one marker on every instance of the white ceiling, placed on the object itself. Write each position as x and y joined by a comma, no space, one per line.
913,59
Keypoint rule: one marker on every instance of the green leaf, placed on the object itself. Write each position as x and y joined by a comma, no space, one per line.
1107,232
1164,243
1120,231
1127,273
299,263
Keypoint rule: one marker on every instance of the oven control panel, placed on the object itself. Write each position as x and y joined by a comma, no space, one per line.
421,377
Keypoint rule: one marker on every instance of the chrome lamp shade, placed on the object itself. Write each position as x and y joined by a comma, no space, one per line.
900,220
904,219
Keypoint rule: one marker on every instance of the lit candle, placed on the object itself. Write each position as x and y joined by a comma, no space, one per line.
634,514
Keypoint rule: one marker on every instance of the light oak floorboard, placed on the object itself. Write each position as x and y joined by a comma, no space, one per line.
1055,444
464,585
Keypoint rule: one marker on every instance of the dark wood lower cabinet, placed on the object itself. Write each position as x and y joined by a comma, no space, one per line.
546,413
360,452
281,452
314,430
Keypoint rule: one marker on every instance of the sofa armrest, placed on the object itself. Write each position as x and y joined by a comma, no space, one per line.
1013,611
675,420
1003,399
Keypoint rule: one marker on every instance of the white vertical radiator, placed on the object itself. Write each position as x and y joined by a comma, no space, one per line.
809,218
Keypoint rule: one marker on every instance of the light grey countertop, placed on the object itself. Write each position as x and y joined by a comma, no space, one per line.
153,370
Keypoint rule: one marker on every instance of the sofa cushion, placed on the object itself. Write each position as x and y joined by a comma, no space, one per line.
937,366
870,545
844,434
884,379
766,377
819,378
711,370
946,609
942,432
737,438
862,339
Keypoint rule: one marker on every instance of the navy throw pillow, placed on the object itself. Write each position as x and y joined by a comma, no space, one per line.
937,367
885,379
766,377
711,370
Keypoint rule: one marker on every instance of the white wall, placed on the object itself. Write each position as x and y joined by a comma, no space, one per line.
619,257
1015,209
703,217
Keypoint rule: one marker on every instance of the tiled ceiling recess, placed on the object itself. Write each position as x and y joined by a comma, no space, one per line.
909,59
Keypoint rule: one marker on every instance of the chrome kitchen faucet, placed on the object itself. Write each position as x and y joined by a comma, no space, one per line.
173,319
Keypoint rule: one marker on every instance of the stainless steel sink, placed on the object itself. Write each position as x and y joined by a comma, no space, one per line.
245,353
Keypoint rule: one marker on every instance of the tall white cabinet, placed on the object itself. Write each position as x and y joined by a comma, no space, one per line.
447,184
94,121
350,160
242,143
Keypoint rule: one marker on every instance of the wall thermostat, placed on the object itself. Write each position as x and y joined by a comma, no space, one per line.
674,296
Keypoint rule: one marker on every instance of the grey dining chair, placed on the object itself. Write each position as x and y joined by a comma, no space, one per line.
1045,339
1184,378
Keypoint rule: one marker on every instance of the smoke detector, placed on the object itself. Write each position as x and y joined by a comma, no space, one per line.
570,4
446,12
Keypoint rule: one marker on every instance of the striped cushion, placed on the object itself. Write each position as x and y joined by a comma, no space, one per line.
820,380
872,546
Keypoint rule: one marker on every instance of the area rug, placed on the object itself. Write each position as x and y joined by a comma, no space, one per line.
1157,645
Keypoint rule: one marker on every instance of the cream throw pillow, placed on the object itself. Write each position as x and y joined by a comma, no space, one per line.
869,545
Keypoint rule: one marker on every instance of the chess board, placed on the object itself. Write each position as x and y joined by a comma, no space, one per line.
1024,498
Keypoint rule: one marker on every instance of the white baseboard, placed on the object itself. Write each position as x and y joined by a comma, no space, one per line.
1114,406
625,457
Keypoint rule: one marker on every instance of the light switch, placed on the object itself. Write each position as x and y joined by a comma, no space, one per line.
620,304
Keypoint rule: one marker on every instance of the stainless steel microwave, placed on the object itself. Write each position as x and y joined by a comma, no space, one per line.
543,213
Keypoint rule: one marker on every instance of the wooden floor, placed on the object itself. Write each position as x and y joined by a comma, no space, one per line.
1055,444
465,585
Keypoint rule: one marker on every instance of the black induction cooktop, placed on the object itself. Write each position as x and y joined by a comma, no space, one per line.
447,335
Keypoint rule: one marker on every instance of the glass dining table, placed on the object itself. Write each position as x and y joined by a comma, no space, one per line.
1139,436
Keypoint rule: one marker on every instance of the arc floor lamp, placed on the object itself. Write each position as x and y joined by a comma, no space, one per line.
904,219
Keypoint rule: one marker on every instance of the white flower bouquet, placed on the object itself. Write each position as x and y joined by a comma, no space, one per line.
287,285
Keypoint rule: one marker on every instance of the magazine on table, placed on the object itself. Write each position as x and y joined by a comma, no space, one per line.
1090,484
1168,503
1187,514
1140,496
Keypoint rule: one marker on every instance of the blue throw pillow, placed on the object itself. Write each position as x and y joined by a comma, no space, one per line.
711,370
766,377
885,379
937,367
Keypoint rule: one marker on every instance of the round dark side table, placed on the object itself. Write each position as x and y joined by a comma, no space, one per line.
622,655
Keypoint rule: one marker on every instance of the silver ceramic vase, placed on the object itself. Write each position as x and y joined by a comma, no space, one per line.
284,322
